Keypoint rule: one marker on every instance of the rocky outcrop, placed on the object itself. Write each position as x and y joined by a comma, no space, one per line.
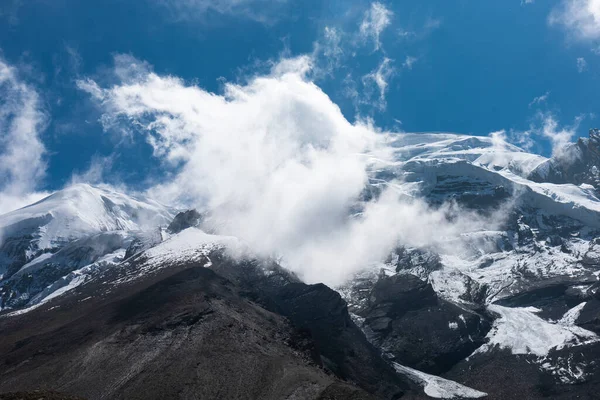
320,312
578,163
417,329
417,261
184,220
38,395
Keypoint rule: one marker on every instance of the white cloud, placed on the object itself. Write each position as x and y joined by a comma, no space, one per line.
376,19
559,137
264,11
275,163
96,172
406,34
540,99
431,24
380,77
328,52
22,119
581,18
409,62
581,65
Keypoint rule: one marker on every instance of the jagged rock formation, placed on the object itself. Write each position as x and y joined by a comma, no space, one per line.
184,220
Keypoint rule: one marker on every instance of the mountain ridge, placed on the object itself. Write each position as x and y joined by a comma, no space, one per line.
521,291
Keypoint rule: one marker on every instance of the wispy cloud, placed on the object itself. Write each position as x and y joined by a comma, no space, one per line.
264,11
581,18
9,11
22,120
409,62
96,172
546,128
581,65
375,20
328,51
380,78
431,24
539,100
559,137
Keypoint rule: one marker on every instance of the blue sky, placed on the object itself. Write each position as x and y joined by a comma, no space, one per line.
465,66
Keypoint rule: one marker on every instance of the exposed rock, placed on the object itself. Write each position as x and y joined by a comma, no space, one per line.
320,311
569,373
589,318
188,332
592,256
552,297
578,163
417,329
421,261
184,220
38,395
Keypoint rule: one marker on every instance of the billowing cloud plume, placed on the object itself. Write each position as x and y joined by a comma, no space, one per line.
275,163
580,17
22,120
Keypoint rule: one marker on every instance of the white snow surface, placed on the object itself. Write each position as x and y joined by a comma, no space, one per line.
189,245
492,160
80,210
70,281
571,316
437,387
520,330
489,152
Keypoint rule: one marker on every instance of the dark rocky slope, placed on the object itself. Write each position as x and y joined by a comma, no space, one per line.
187,332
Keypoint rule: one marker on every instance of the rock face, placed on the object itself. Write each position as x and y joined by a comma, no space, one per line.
38,395
417,329
187,332
184,220
320,312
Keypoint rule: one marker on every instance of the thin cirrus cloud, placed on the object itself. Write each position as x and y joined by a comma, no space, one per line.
581,65
275,163
380,77
264,11
537,101
22,121
376,19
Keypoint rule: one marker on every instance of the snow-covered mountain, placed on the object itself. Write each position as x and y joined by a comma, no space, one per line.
43,245
513,299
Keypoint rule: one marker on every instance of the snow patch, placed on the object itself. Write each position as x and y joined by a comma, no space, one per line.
437,387
571,316
523,332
